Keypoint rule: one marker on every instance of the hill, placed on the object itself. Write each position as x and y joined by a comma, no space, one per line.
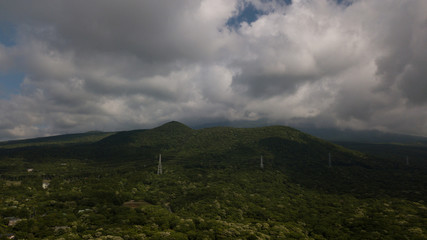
365,136
77,138
212,187
181,141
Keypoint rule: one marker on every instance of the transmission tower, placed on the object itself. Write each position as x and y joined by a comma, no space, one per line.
262,163
159,167
329,162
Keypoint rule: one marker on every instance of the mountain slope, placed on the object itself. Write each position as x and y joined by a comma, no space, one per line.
365,136
307,160
77,138
223,145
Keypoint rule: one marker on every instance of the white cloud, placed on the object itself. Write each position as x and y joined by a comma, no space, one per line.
111,65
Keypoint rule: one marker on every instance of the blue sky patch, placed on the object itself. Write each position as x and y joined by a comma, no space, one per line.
344,2
7,34
249,14
10,81
10,84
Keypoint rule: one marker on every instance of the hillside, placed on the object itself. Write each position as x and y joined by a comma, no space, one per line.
365,136
78,138
212,187
183,142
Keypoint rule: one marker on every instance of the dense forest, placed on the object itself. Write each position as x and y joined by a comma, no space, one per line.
213,185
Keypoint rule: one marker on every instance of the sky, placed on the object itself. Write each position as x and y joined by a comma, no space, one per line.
107,65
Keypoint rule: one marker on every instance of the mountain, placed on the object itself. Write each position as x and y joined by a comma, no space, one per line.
333,134
77,138
365,136
302,157
181,143
212,187
169,133
388,146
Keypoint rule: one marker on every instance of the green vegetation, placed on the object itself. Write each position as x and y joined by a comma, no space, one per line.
212,187
79,138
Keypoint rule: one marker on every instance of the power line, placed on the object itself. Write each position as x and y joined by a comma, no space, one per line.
159,167
262,163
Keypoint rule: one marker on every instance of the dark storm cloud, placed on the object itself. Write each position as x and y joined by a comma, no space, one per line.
110,65
151,30
403,61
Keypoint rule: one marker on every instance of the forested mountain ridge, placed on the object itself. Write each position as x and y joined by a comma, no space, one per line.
212,187
76,138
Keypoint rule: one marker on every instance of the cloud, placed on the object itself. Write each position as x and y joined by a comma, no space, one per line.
115,65
302,43
402,60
